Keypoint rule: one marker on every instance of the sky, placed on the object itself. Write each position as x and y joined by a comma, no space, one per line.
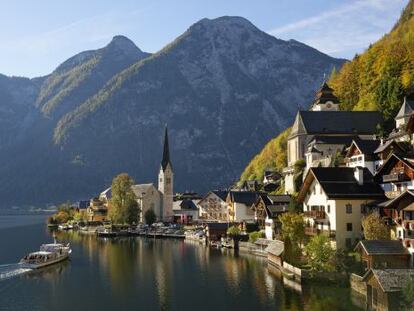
38,35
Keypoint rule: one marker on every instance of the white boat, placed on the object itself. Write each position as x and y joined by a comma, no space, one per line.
48,254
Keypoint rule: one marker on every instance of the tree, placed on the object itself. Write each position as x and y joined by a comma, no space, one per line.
123,204
150,216
233,231
292,233
320,254
293,227
294,206
407,301
375,228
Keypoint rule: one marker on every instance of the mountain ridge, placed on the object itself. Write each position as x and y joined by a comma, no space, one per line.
224,87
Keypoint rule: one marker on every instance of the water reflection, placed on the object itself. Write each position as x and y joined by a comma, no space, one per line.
127,273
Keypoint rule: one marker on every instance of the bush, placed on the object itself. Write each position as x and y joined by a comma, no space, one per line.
253,236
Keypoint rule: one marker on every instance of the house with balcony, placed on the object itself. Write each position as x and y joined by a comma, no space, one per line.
213,206
97,210
396,175
386,148
361,153
400,212
334,201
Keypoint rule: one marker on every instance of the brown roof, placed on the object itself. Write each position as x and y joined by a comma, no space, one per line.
391,280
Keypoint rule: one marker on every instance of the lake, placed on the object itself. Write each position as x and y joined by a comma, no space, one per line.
146,274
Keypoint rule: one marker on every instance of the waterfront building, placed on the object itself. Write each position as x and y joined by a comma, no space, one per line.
239,205
384,287
214,207
185,208
97,210
267,209
334,201
383,254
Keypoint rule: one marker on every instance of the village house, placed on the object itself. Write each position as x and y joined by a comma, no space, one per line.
185,207
383,254
267,209
239,205
214,207
328,130
384,288
401,131
362,153
97,210
334,201
396,175
400,212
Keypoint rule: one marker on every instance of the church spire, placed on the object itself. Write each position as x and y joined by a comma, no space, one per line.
166,153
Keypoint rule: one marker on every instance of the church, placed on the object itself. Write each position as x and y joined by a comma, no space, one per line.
148,196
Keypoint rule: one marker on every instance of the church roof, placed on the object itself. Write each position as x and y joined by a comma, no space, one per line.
406,109
140,189
336,123
166,152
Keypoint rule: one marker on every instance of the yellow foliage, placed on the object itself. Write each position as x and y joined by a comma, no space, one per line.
273,156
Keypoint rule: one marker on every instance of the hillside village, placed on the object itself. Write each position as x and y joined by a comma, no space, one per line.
340,171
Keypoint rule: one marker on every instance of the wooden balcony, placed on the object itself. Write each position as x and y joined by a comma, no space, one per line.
315,214
314,231
395,177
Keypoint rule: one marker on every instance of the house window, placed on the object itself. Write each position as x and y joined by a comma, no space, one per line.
320,190
168,180
363,208
349,226
348,243
349,209
329,208
314,190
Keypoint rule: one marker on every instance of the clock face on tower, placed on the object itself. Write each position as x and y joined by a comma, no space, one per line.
329,104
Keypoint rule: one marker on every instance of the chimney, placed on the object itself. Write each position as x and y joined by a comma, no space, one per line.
359,175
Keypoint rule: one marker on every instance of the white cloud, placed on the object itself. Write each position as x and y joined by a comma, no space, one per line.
347,29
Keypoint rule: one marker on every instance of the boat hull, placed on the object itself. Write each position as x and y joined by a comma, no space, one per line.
45,264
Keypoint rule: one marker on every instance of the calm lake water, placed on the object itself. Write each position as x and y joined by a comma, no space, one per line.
146,274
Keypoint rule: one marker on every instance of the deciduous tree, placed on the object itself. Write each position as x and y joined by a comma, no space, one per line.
123,204
375,228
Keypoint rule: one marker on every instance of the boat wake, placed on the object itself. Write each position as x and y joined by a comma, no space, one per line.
12,270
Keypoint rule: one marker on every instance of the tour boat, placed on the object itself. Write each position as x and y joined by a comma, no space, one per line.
47,255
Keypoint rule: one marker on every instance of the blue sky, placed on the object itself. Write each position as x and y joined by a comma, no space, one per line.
38,35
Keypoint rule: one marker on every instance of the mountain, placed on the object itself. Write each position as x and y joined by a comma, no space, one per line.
224,88
378,79
84,74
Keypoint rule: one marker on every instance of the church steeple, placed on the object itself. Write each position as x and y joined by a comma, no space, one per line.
325,99
166,153
166,181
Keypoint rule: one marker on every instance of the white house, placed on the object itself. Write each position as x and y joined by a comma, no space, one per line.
334,201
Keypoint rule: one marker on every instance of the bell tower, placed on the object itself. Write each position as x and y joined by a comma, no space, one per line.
325,99
166,181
